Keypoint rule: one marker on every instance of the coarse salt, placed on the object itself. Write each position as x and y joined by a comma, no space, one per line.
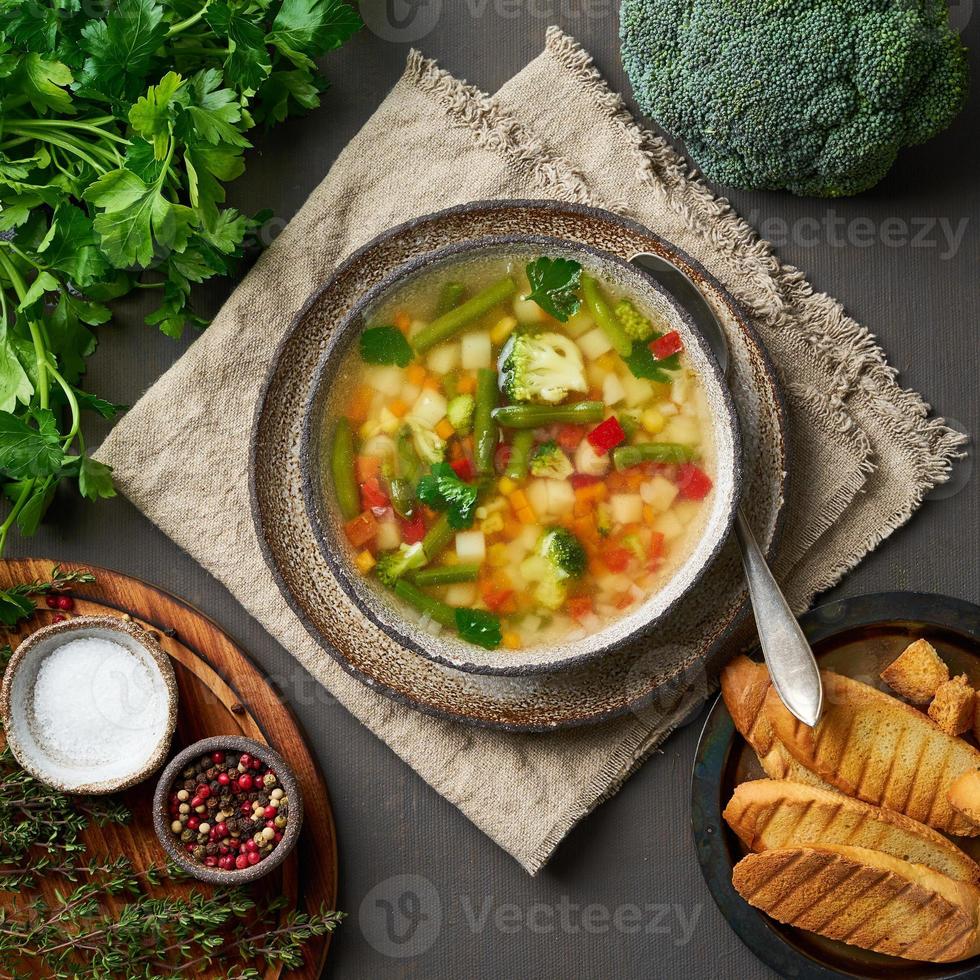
96,703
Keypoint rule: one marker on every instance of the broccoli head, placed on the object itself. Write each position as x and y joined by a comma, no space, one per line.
558,557
393,564
428,444
814,96
460,413
634,322
550,462
542,367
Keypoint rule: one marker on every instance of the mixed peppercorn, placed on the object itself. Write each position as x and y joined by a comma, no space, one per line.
228,810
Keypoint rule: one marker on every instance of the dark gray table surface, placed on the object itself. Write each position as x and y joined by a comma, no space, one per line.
623,896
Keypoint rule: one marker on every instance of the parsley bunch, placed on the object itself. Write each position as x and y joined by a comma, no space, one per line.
118,132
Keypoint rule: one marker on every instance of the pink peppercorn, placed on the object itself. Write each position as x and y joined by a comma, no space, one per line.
241,862
224,778
245,782
66,603
217,758
254,857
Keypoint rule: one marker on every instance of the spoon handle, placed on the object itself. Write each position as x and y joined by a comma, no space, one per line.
791,663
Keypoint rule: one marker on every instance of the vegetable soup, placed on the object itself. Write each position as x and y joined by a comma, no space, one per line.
522,453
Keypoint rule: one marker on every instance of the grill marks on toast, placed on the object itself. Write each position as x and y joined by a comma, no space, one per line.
852,749
771,814
864,898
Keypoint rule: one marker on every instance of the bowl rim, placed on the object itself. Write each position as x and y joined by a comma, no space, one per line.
236,743
81,624
338,563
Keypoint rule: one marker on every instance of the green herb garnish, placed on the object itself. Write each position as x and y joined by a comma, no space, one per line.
643,364
479,627
553,286
443,490
16,603
385,345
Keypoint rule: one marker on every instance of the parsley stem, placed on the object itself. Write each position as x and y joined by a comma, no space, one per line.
182,25
84,125
80,150
72,404
14,511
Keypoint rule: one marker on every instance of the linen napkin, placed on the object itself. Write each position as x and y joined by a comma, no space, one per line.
864,452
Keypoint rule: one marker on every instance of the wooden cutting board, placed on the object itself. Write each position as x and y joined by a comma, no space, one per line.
221,692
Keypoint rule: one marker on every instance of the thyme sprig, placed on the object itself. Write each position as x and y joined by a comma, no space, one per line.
17,603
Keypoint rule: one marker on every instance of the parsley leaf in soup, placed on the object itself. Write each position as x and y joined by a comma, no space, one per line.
443,490
385,345
553,286
479,627
643,364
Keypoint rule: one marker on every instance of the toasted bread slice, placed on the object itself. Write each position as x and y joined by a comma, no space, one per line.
917,672
864,898
964,795
874,747
771,814
744,685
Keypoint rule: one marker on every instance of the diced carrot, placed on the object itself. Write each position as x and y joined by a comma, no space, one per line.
403,321
361,529
526,516
617,559
579,606
444,429
633,479
582,508
367,467
657,542
512,640
466,385
365,562
591,491
431,382
649,514
360,404
518,499
397,407
624,601
584,527
511,529
415,374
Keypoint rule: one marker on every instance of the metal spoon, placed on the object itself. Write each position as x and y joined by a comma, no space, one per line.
791,663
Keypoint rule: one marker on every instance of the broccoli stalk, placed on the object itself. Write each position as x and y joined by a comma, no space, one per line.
817,98
541,368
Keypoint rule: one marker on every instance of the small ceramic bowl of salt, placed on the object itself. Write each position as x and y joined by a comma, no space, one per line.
89,705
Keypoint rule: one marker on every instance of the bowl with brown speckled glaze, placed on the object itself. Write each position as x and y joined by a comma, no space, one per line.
643,674
172,774
330,390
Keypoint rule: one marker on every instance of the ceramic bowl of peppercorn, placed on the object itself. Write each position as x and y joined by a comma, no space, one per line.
227,809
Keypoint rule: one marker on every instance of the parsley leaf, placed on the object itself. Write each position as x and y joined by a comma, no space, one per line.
443,490
479,627
27,452
95,479
385,345
304,28
644,365
553,285
15,385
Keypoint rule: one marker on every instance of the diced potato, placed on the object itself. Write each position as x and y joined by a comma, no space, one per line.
529,537
443,358
409,393
461,594
389,537
687,510
637,390
386,379
537,496
594,344
669,526
429,407
612,389
667,408
578,324
476,350
659,493
561,497
589,462
626,508
527,311
416,326
680,388
595,373
380,445
682,428
471,546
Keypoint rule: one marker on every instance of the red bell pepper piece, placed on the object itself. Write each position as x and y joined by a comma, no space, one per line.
693,482
413,529
361,529
669,343
606,435
463,469
579,606
372,495
582,480
616,559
